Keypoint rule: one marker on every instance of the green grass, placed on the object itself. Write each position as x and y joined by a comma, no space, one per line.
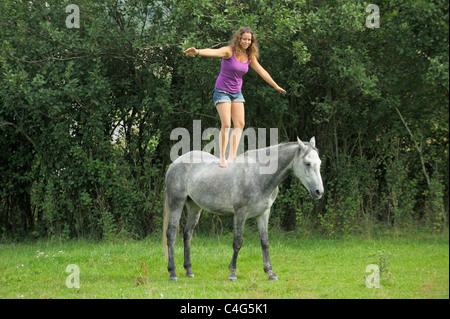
414,267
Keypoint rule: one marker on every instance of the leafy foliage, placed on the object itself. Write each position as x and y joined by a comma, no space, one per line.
86,114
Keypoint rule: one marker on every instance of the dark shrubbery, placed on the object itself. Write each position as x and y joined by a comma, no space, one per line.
86,114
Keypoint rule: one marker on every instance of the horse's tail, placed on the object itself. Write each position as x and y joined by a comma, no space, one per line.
165,225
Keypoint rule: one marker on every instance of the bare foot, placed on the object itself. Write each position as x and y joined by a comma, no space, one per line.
223,163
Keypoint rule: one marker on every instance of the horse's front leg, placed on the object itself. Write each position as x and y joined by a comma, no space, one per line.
262,222
238,226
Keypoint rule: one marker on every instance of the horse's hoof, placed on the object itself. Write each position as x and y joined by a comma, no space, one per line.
173,278
191,275
232,278
273,277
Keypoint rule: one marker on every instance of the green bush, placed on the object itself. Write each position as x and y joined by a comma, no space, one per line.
86,114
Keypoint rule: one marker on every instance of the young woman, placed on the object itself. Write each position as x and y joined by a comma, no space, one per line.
228,97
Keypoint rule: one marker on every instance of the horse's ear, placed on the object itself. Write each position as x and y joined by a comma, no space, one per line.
302,145
312,141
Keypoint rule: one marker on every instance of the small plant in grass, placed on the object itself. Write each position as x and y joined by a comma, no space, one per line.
144,279
383,261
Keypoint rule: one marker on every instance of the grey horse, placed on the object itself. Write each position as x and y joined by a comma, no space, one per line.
240,190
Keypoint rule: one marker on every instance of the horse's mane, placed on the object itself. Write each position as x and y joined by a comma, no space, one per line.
280,145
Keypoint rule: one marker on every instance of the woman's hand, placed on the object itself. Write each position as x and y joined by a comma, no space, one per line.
279,89
190,51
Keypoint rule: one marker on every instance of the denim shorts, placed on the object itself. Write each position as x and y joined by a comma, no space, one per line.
221,96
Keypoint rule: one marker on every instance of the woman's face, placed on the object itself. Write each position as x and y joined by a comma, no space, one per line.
246,40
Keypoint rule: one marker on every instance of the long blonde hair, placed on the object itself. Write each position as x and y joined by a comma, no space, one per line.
253,50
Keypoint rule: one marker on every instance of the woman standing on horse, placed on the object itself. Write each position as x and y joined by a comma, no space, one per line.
228,97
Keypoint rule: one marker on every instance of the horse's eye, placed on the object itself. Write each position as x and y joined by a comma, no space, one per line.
308,164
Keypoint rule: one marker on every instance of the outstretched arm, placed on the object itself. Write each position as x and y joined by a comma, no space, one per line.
224,52
265,75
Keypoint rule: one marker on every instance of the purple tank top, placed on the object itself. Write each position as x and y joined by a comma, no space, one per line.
231,73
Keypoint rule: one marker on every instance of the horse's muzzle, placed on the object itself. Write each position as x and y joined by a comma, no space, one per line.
316,194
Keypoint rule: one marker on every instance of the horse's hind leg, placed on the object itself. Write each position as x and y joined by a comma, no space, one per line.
193,216
176,208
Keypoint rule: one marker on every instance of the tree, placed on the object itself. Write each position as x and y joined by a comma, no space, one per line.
86,113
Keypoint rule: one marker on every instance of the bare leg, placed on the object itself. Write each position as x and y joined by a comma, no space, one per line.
238,116
224,110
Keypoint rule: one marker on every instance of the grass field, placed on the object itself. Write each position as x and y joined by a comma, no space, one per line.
410,267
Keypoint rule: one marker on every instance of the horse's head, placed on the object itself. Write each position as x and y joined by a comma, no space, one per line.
307,168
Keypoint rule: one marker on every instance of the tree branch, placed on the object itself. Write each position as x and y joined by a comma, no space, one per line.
418,147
